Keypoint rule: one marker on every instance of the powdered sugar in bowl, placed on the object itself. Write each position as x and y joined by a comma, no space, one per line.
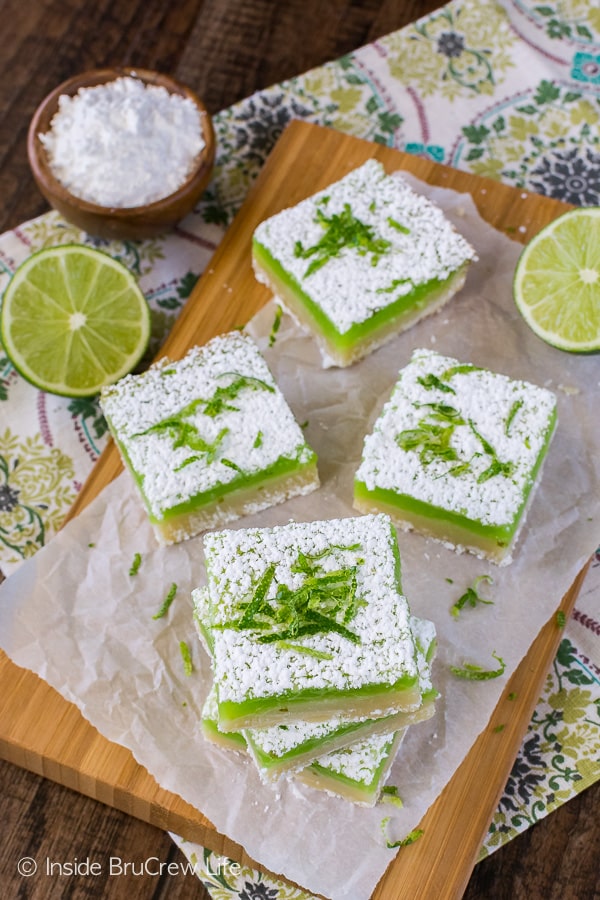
121,152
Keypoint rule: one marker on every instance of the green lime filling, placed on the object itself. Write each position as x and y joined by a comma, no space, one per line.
282,466
234,739
404,306
231,711
268,760
502,535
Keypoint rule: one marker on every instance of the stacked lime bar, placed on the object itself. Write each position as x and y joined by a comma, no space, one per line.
313,650
208,438
456,453
360,261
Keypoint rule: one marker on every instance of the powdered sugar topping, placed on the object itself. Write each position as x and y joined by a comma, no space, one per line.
416,244
509,417
161,421
245,668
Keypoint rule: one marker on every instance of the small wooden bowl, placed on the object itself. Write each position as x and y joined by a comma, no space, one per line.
134,222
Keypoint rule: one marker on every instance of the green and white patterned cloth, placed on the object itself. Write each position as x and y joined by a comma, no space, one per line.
508,89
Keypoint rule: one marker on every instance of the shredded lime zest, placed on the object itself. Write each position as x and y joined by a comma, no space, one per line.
392,287
496,467
186,434
432,382
135,565
188,666
307,651
166,602
231,465
472,672
223,397
511,415
276,325
390,794
561,619
443,412
341,230
512,696
471,596
91,544
258,440
433,434
183,433
498,729
410,838
398,226
326,602
459,369
430,439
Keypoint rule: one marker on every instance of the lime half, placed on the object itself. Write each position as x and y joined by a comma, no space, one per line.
74,320
557,282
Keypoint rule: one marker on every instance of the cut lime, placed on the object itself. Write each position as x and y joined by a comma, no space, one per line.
74,320
557,282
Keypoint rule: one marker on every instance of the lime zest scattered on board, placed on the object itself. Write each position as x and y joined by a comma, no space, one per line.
135,565
276,324
186,656
410,838
472,672
166,602
471,596
391,794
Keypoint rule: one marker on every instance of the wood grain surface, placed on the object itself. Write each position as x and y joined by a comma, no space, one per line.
224,50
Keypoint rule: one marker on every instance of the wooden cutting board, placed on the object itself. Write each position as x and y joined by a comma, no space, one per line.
41,731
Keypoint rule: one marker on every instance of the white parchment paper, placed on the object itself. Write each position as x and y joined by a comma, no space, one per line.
75,616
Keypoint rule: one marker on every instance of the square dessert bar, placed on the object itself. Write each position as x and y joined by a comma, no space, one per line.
455,454
357,772
287,748
307,620
208,438
291,747
360,261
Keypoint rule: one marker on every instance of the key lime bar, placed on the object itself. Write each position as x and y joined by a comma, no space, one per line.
353,763
208,438
456,452
357,772
307,620
281,749
360,261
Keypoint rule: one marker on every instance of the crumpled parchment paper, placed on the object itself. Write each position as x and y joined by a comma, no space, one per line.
75,616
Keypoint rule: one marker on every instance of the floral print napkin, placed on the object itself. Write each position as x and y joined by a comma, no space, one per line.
508,89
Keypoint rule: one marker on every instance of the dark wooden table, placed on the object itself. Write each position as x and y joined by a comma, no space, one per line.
225,50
